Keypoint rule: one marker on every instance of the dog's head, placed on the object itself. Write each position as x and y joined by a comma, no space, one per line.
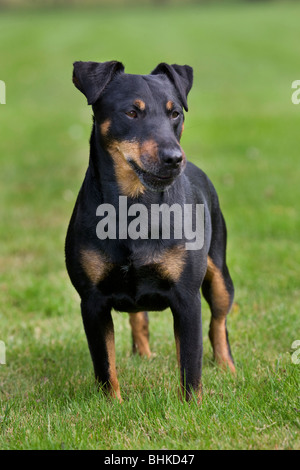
140,118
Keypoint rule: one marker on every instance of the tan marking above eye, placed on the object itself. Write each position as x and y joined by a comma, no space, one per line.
169,105
140,104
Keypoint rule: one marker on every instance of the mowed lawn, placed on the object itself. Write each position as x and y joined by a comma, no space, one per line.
243,130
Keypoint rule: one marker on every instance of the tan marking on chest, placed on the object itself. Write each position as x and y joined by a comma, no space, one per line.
171,263
96,265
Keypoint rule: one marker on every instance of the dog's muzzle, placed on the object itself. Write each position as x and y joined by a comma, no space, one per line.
162,174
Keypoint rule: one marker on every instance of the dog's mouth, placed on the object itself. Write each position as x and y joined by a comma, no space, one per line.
154,181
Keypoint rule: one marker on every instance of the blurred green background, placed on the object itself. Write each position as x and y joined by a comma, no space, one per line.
242,129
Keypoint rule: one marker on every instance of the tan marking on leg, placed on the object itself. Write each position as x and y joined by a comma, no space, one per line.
169,105
113,380
217,335
95,264
220,294
127,179
217,331
177,342
140,333
140,104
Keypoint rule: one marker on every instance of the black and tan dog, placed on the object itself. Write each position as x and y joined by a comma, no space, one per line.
135,153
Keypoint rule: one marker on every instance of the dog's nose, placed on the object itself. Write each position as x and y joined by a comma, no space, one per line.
171,157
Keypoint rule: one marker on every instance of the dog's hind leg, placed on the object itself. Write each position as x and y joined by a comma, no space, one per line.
139,323
218,291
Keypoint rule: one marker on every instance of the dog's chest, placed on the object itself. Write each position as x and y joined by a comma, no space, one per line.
137,267
167,263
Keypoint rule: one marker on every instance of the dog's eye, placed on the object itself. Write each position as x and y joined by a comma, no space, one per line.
132,114
174,114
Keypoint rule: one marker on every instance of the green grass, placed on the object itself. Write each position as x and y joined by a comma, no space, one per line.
243,130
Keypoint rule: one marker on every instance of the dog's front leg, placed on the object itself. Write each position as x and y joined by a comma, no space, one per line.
188,338
99,329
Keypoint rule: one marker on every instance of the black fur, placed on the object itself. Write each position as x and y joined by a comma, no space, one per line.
132,280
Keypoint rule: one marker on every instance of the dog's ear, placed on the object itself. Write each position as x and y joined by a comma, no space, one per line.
92,77
180,75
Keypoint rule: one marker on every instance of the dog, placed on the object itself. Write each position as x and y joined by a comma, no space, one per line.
136,158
